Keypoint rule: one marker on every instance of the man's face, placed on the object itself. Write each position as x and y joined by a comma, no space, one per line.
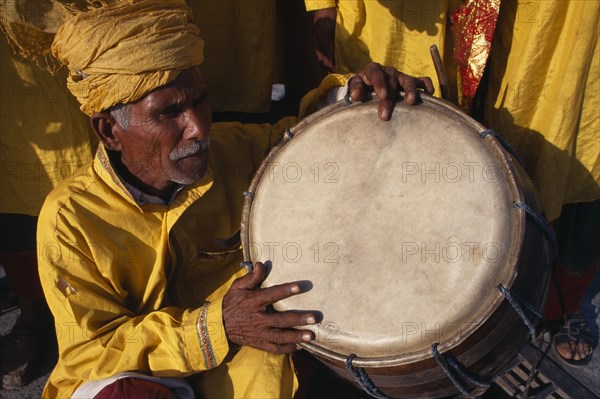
167,137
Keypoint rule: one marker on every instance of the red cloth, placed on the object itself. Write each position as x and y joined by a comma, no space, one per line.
134,388
473,26
572,289
22,271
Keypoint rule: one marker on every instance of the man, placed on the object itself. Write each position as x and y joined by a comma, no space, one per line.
139,257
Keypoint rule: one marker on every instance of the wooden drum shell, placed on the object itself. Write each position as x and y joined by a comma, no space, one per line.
496,332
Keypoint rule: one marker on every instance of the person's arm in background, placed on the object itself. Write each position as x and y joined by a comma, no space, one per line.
324,17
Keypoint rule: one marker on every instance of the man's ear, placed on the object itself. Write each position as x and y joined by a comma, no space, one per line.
105,127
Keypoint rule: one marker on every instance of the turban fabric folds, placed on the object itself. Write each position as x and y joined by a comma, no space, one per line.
117,54
120,51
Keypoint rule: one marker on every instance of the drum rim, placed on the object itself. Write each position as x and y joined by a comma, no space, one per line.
519,228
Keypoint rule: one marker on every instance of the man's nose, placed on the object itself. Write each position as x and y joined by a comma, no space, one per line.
196,124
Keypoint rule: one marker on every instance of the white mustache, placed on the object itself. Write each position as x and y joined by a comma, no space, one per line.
192,148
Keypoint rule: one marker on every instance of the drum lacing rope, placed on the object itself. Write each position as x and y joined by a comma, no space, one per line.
516,302
542,353
540,220
450,365
360,375
503,143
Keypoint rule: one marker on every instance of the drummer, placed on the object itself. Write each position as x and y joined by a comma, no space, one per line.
139,254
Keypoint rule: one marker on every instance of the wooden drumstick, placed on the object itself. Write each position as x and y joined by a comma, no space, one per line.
440,71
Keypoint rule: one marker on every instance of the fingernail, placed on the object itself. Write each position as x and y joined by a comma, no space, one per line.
307,337
295,289
310,320
385,114
412,96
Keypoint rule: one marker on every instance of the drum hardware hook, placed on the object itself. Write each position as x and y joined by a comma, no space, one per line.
288,135
451,366
540,220
360,375
248,265
503,143
249,195
347,99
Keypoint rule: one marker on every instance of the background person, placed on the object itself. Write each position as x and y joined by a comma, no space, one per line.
543,96
348,34
42,141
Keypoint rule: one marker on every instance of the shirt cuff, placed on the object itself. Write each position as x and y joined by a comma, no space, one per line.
206,337
326,93
319,4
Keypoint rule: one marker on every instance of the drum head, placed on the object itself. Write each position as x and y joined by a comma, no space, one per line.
403,228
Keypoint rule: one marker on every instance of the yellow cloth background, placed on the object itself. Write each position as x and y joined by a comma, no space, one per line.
240,37
128,285
44,138
392,32
544,95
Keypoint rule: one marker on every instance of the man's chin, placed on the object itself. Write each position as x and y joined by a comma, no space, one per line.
190,178
191,175
191,170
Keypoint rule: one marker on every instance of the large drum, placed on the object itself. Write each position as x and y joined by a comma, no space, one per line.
410,234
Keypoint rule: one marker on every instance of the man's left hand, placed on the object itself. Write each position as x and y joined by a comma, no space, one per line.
386,81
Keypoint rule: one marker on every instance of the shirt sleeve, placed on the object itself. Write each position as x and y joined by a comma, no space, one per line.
330,89
100,332
244,146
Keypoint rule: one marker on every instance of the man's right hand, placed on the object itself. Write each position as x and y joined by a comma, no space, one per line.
250,320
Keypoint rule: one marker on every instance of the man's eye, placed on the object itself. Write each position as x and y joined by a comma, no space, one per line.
170,111
199,100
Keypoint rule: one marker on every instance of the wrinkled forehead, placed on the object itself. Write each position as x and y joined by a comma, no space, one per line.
188,85
187,80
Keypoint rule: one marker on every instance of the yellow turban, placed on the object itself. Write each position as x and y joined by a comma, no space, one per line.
119,53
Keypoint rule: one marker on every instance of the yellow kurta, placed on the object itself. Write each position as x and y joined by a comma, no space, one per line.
44,138
239,37
544,95
139,287
396,33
